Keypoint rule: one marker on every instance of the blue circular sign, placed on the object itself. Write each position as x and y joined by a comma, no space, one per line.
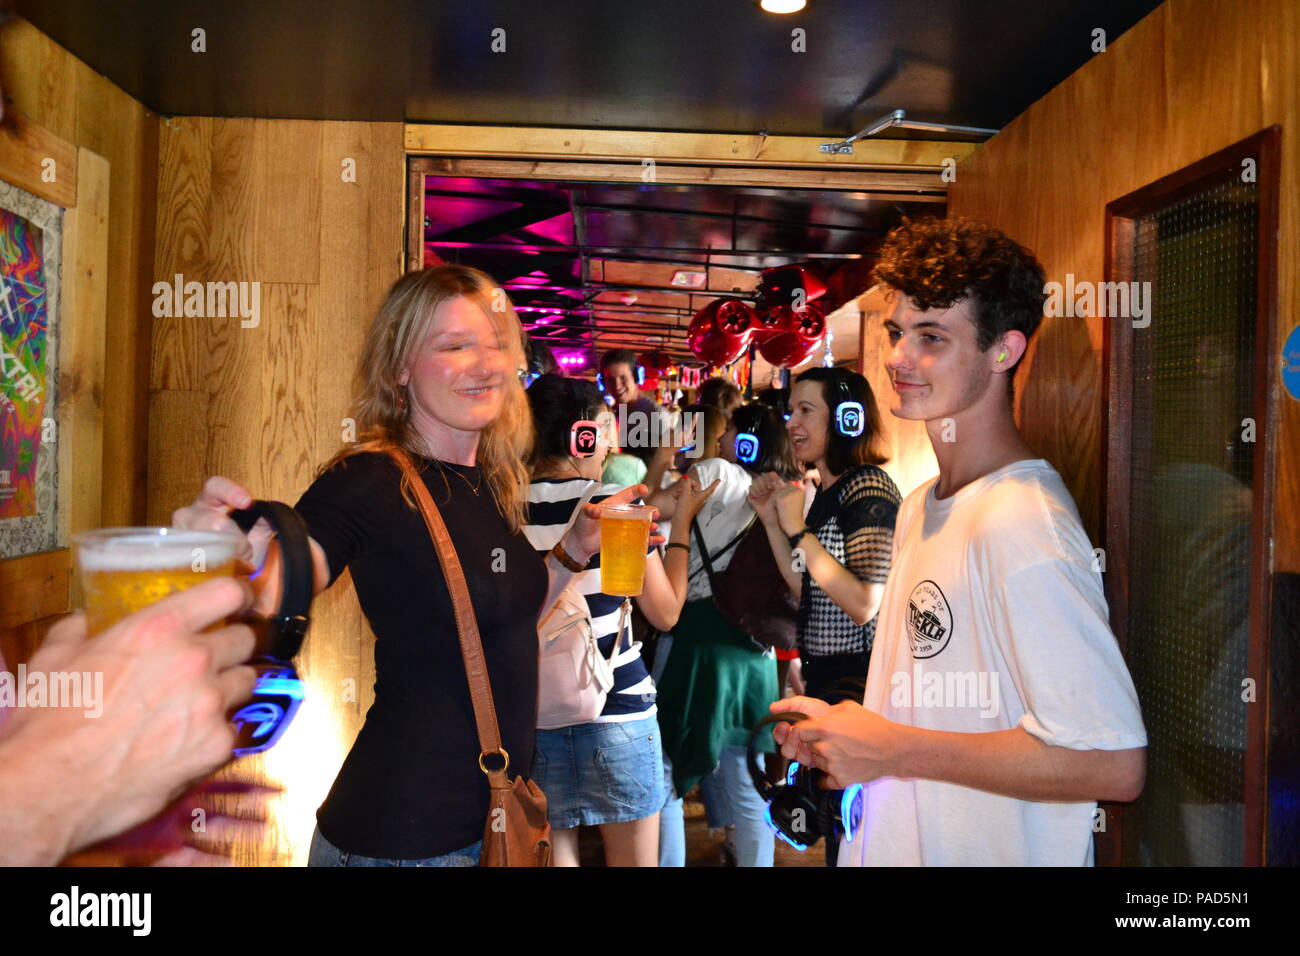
1291,363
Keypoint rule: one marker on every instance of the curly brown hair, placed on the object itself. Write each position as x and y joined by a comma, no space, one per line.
939,262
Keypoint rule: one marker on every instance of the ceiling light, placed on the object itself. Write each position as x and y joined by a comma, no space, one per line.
689,278
783,6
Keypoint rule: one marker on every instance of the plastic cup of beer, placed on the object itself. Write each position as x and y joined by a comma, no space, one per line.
126,569
624,540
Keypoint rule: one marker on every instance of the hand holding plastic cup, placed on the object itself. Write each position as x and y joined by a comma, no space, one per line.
624,541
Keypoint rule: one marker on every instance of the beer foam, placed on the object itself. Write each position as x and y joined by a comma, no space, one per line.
155,552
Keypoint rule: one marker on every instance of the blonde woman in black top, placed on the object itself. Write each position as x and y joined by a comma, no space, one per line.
438,379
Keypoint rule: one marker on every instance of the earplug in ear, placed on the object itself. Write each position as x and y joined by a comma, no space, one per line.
1002,356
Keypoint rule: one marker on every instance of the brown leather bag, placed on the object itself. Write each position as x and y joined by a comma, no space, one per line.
516,833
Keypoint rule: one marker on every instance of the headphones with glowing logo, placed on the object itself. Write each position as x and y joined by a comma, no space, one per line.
799,810
278,692
747,447
847,414
583,435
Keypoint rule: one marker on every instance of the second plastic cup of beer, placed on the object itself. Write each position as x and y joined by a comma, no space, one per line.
624,540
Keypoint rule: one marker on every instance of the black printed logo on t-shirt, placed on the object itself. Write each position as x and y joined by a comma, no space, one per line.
929,620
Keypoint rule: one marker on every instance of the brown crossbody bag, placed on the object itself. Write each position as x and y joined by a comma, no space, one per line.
516,833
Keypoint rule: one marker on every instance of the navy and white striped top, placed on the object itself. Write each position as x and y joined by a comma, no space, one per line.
550,506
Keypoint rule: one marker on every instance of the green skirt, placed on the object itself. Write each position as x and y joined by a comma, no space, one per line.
716,684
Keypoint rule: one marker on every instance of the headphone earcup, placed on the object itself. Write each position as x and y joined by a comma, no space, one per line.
826,812
796,814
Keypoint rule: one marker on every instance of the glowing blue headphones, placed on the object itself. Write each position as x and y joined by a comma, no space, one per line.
747,447
850,419
640,378
800,810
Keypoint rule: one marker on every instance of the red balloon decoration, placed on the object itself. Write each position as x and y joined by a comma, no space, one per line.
722,330
794,336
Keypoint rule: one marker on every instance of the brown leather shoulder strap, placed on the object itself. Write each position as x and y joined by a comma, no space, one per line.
471,645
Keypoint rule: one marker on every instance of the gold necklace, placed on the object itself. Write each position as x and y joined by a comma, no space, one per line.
442,469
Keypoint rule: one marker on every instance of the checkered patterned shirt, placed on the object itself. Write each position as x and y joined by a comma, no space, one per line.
854,521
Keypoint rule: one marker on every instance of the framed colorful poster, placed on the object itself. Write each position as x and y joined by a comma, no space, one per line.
30,239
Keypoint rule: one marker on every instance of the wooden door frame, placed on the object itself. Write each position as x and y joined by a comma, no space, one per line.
1264,148
912,170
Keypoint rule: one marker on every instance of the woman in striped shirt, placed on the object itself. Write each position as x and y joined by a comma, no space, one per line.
607,773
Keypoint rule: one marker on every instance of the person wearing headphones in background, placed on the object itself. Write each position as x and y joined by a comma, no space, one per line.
837,558
998,708
718,681
721,394
609,772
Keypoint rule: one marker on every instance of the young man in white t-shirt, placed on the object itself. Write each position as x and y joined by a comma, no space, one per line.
998,708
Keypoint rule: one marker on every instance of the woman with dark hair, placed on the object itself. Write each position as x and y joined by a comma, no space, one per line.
837,558
717,681
608,772
539,361
721,394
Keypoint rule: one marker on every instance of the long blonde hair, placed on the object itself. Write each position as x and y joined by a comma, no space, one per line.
399,329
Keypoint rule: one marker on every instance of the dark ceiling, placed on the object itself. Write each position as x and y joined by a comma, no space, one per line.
717,65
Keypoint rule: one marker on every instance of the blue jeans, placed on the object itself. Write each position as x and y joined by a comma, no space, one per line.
325,853
732,801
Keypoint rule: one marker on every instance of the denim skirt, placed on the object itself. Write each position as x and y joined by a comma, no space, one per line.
603,772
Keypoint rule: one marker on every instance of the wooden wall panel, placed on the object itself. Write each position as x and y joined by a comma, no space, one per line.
178,444
121,130
40,78
264,201
35,587
30,154
1191,78
1279,73
184,224
80,443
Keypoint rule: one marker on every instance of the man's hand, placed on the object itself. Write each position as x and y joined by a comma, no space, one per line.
168,682
199,829
847,741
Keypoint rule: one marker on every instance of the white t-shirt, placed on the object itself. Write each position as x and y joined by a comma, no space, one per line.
993,618
721,518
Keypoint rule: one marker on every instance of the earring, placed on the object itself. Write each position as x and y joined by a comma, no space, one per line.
401,401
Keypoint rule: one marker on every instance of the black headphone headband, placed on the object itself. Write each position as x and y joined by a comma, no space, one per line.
751,752
840,384
289,625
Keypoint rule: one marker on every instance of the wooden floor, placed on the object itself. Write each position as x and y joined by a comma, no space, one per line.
702,849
